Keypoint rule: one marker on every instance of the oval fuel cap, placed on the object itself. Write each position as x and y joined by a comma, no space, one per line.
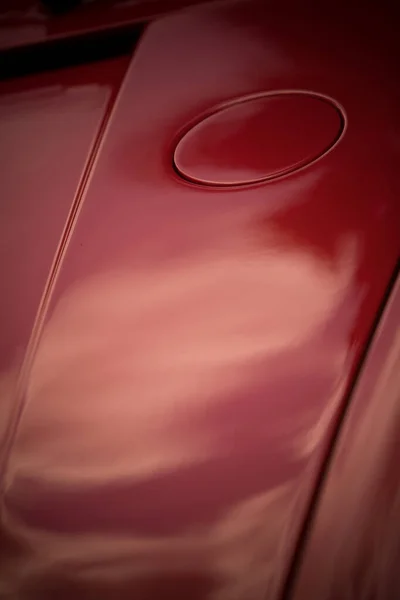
258,138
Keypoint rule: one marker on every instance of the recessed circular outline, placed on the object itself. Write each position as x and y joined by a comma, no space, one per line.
300,166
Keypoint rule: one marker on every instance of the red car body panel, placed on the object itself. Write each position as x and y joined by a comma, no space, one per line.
357,517
48,126
197,344
26,22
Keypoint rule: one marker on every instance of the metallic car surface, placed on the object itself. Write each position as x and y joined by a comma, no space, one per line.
357,517
48,127
197,345
26,22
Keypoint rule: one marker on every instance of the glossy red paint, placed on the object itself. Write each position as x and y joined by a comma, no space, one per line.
26,22
258,138
357,518
199,343
48,126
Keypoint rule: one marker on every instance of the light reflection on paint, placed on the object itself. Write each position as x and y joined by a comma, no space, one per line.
127,356
359,510
131,371
235,555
